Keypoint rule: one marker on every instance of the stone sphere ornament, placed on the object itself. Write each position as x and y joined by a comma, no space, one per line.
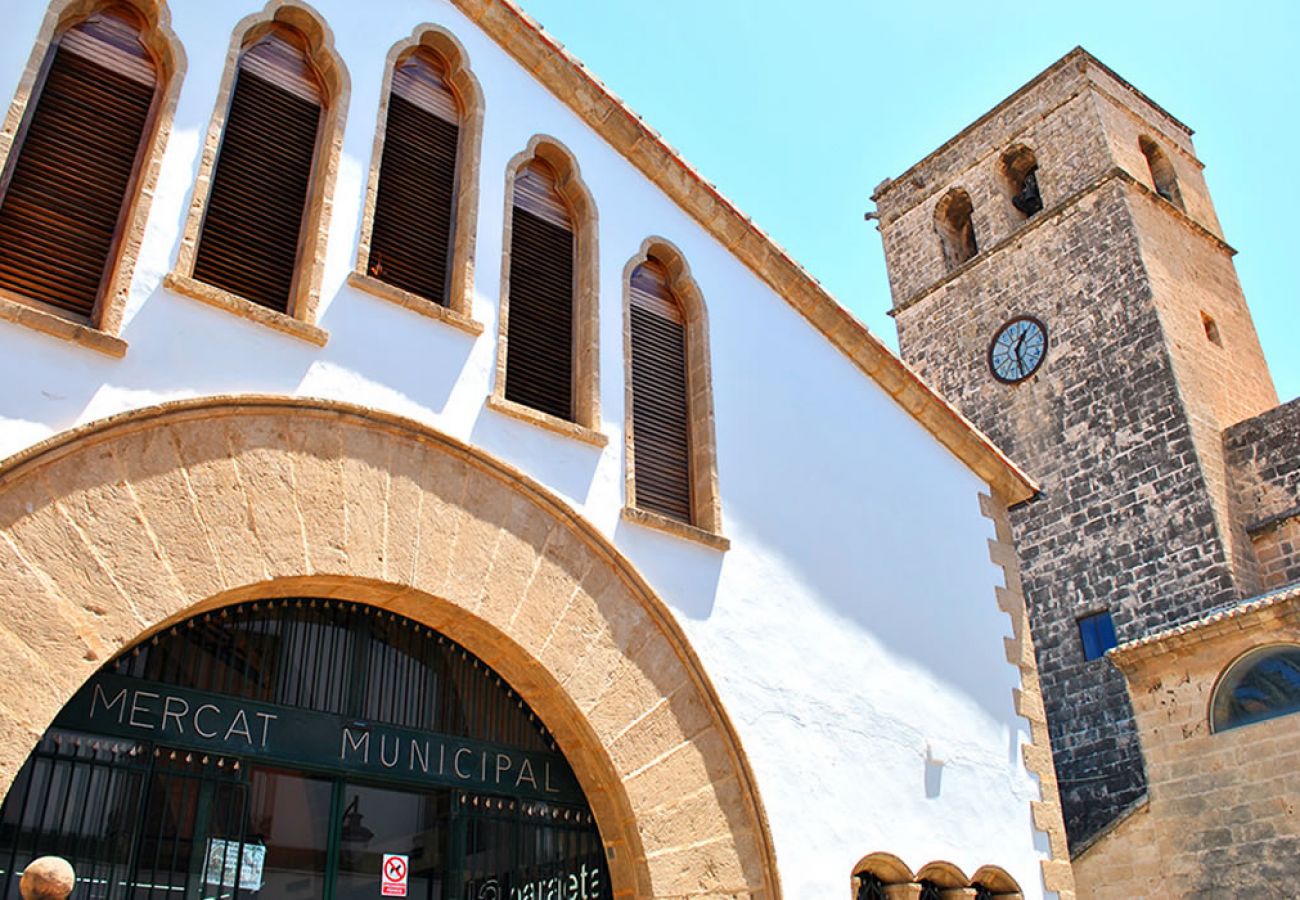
48,878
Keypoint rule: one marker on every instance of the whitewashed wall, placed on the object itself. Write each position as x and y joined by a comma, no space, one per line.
852,628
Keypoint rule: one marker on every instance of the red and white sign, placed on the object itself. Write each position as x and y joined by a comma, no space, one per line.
392,879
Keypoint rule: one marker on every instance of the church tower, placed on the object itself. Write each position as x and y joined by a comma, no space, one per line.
1058,273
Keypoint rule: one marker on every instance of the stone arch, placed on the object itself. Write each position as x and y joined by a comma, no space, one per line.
996,881
1163,177
586,301
954,224
305,294
169,56
122,527
706,501
945,874
443,45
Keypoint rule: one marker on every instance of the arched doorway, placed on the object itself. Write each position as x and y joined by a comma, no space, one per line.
123,528
302,747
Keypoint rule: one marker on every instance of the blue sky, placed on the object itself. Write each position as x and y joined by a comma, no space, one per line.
796,116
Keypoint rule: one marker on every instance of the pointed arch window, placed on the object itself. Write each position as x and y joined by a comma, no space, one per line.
75,169
660,404
547,360
672,477
253,229
539,352
254,241
417,237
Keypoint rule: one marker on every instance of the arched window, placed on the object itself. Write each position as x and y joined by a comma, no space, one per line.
539,353
1020,171
1263,684
76,165
417,237
952,220
250,238
660,401
546,370
410,245
672,472
255,238
1163,177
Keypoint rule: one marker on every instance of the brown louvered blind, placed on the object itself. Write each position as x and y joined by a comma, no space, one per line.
411,238
539,346
73,165
249,243
660,406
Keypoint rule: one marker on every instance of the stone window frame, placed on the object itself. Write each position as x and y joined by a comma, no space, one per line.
103,332
459,311
1246,660
586,304
948,232
705,526
300,321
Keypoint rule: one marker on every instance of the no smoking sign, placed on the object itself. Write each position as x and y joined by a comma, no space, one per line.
392,879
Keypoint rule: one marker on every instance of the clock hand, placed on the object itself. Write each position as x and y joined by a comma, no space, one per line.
1020,343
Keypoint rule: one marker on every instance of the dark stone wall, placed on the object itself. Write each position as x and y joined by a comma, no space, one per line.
1263,455
1124,522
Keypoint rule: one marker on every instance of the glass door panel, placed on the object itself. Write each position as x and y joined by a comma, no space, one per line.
377,821
287,833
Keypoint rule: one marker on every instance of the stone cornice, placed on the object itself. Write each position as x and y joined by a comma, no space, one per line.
1233,618
626,132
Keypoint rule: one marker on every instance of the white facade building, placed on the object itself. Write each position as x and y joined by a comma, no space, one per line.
849,623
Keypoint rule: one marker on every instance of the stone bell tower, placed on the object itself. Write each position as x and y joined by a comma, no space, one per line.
1058,272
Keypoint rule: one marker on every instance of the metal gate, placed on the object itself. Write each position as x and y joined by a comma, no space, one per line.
180,816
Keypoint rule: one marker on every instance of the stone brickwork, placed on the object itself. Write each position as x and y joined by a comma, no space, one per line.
1224,813
113,531
1122,424
1264,456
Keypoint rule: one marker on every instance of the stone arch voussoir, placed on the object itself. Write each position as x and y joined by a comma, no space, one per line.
117,529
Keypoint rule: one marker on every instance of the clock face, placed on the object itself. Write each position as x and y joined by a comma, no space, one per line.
1018,349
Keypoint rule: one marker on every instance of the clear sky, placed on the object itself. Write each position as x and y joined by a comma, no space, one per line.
797,110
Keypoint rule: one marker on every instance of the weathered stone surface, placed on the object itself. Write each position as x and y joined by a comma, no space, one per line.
1263,454
1223,816
213,502
1122,424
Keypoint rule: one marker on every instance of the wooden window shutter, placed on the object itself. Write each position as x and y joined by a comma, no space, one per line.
411,237
539,342
67,186
256,209
660,401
